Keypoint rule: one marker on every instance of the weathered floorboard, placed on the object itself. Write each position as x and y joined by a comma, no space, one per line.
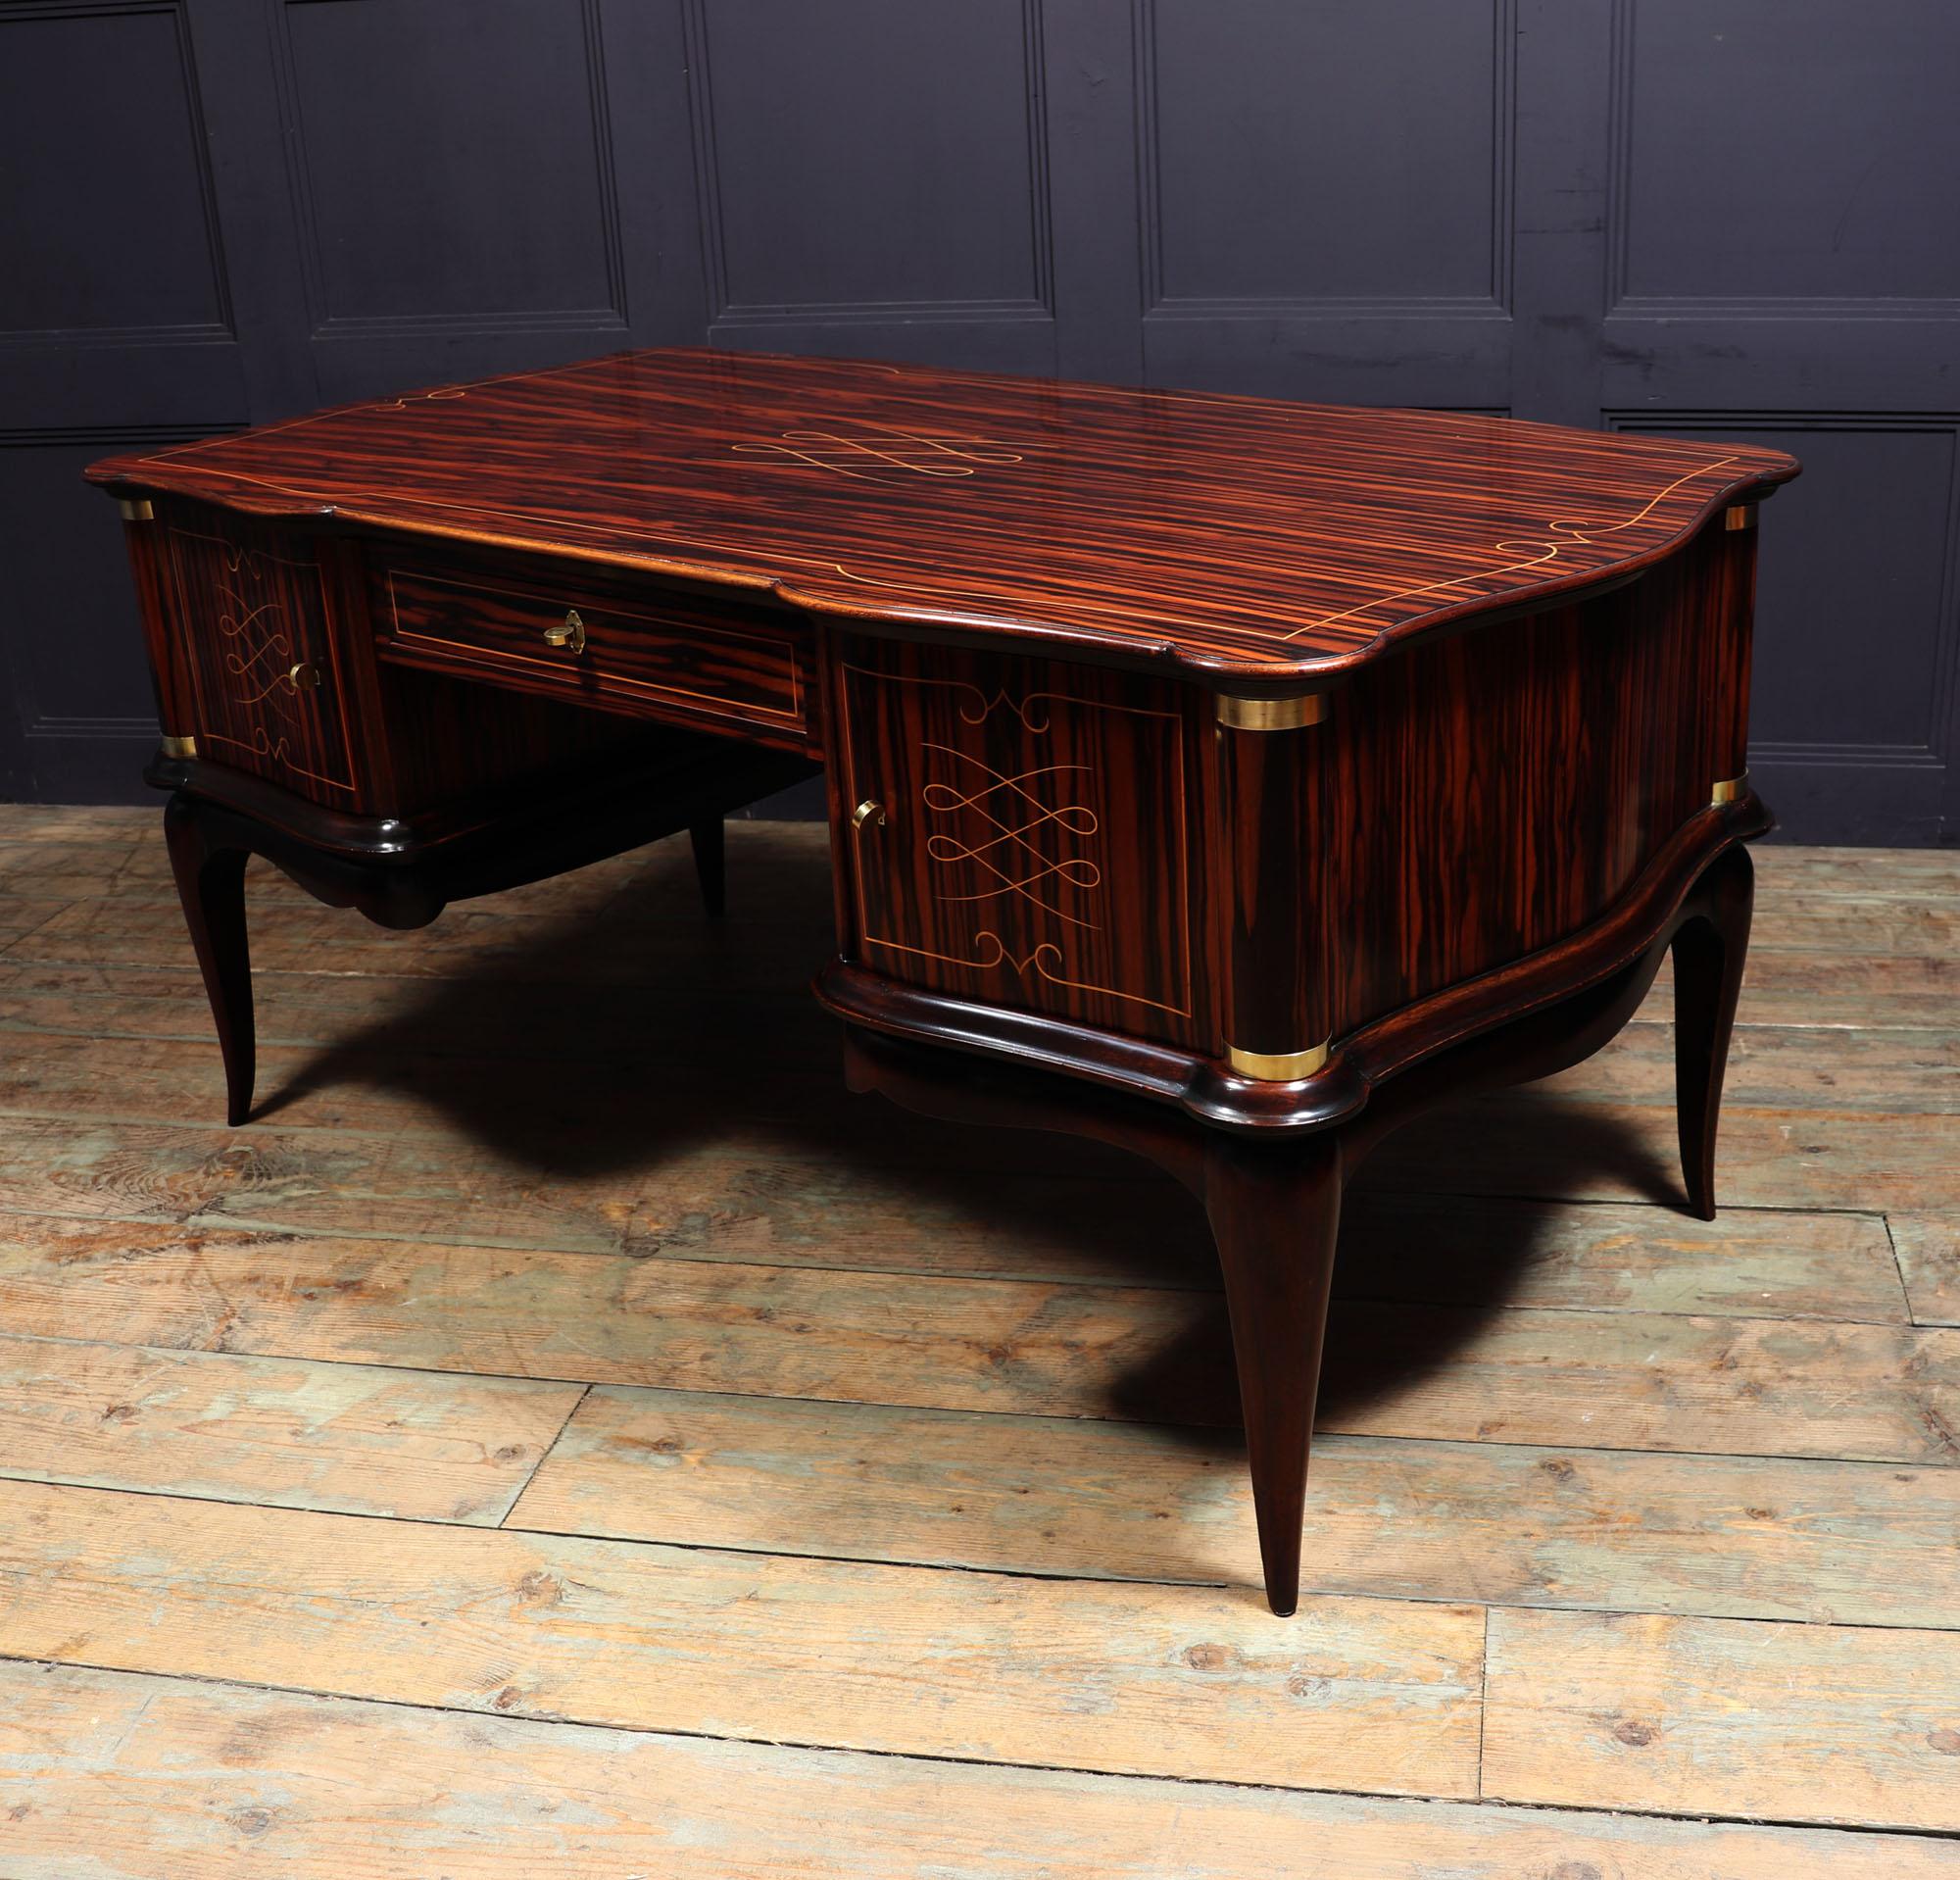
1358,1694
20,919
1527,1145
1838,992
1724,1536
81,870
371,1092
77,822
1929,1257
548,1192
108,1776
1781,1067
365,1039
360,1016
1607,1257
351,1438
1531,1142
1793,871
827,1329
691,1324
721,1196
1624,1380
1848,921
1714,1716
1615,1379
363,1020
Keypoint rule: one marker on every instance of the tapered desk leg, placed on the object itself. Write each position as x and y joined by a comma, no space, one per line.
1709,950
211,884
1275,1205
1275,1214
709,864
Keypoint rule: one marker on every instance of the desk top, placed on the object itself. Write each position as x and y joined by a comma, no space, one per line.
1236,535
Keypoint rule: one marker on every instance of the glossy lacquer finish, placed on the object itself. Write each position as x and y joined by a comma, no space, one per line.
1236,534
1272,771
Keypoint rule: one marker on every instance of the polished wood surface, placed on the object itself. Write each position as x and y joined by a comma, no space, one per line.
1054,842
1488,794
1150,760
1236,535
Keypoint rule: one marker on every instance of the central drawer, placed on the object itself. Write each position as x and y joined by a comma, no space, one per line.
663,654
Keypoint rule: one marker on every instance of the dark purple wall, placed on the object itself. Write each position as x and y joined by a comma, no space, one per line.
1724,218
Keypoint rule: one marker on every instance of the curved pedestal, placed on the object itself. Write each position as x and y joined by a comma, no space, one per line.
1273,1193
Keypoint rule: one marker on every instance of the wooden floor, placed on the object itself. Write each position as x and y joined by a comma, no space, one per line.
567,1436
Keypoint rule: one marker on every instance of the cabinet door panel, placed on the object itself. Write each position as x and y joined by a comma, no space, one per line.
1029,846
253,613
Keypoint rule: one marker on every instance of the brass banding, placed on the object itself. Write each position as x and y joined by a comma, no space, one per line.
1286,713
1730,789
1282,1067
175,747
136,509
1739,515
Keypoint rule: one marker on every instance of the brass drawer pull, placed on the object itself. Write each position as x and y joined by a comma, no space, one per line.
304,678
868,812
571,635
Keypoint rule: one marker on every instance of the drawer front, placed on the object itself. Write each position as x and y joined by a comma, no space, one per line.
254,620
1029,843
674,658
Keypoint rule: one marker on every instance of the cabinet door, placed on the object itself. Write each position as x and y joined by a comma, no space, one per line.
251,610
1029,843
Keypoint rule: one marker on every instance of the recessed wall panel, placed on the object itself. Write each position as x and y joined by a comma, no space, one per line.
1788,149
105,220
67,607
1315,152
449,158
870,153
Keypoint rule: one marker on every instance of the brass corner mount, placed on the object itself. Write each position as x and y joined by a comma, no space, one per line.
1278,1067
1730,790
1288,714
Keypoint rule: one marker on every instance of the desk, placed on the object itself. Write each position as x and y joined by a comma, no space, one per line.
1222,778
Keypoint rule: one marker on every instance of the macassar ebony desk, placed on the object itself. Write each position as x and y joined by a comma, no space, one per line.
1223,778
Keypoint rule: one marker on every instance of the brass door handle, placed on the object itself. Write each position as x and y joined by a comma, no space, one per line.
869,811
570,635
303,677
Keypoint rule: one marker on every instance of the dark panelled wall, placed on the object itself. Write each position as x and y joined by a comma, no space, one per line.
1719,217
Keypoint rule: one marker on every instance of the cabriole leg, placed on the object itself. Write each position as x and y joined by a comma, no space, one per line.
1709,950
210,885
1275,1214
